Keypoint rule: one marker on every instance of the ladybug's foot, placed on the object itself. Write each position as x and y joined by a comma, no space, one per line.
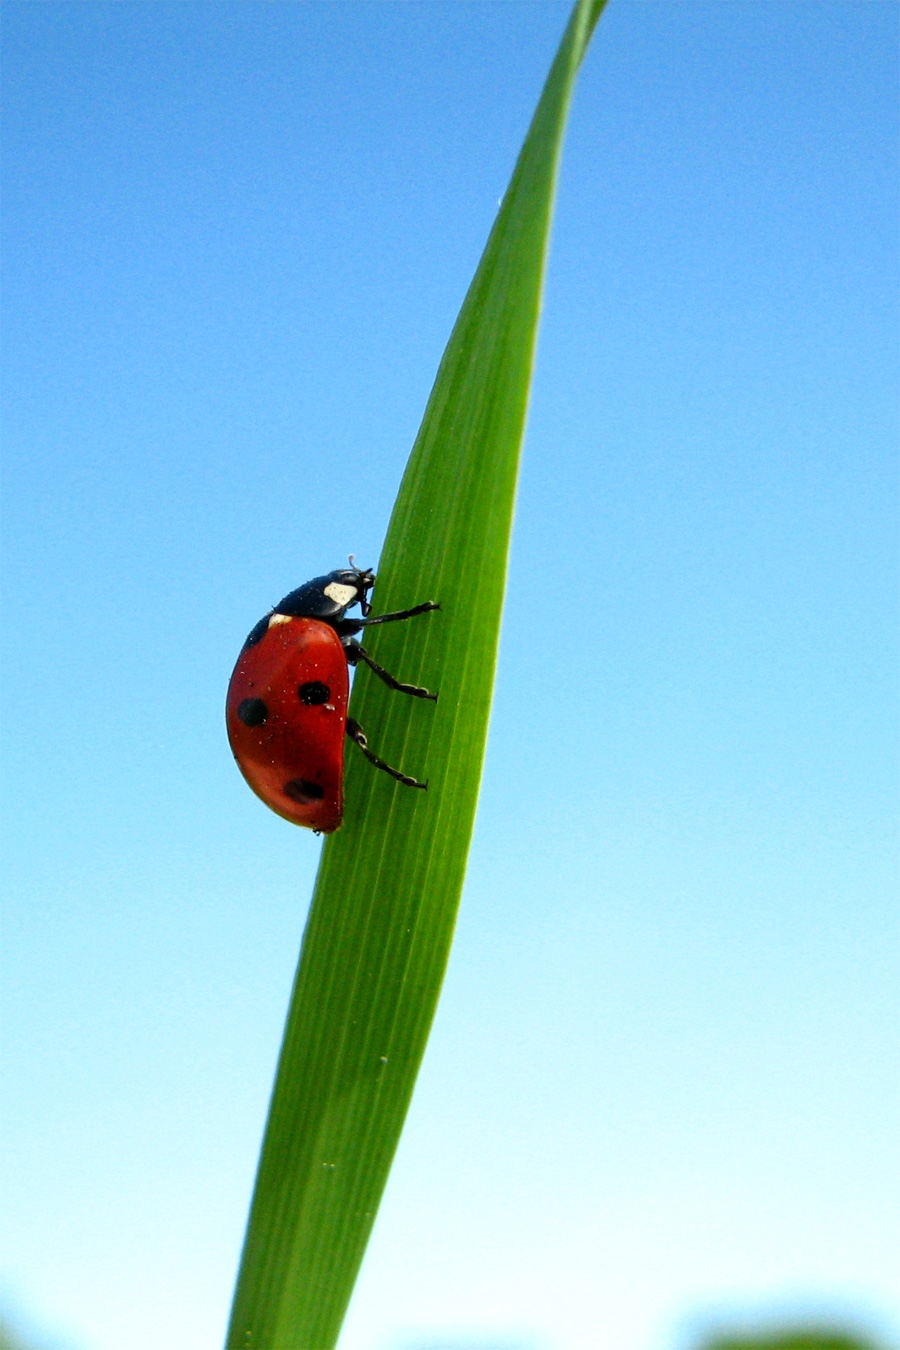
356,733
356,652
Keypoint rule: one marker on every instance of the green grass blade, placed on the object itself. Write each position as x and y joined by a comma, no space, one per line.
382,917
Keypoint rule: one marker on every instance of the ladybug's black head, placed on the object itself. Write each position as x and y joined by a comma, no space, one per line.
329,597
353,576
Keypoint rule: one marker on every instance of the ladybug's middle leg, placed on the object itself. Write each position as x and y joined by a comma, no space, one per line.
357,735
356,652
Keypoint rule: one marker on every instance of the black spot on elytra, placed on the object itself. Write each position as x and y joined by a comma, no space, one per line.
252,712
313,693
303,791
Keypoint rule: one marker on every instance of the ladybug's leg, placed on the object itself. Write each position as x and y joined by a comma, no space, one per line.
344,627
401,614
356,652
356,733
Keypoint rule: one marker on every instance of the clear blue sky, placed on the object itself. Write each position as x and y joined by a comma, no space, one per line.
659,1087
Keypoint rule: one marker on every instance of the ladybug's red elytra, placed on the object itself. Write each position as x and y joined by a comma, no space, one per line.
286,709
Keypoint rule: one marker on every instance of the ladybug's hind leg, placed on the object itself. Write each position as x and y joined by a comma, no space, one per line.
356,652
356,734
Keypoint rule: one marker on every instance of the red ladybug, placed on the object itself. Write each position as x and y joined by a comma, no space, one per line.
286,709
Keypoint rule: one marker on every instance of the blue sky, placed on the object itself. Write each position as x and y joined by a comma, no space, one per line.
659,1088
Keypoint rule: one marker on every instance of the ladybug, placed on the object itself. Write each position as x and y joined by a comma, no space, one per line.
286,709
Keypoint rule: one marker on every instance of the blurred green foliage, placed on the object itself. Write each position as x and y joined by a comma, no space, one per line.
10,1340
796,1338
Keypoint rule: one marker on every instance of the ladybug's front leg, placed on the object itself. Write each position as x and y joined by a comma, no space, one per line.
356,652
344,627
356,734
425,608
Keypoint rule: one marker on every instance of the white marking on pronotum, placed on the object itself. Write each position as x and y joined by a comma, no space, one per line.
341,595
279,618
